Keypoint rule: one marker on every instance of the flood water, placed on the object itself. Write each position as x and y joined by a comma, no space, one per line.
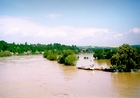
37,77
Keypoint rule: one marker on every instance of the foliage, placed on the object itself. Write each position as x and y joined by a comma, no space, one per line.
3,46
71,60
56,51
5,53
45,54
104,53
61,59
65,53
126,58
66,57
36,48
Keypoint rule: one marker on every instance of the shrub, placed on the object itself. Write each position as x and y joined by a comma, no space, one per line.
5,53
45,54
71,60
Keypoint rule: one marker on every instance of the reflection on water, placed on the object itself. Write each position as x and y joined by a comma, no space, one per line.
126,82
36,77
69,72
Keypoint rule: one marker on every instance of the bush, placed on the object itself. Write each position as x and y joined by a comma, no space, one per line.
71,60
5,53
45,54
52,57
66,57
65,54
61,59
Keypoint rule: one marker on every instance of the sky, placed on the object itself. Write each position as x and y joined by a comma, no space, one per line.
71,22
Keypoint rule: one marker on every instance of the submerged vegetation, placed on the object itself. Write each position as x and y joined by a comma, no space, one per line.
66,57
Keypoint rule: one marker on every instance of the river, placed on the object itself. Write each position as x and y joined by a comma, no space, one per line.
36,77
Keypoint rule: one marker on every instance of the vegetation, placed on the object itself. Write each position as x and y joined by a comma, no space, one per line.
66,57
21,48
61,53
5,53
71,60
104,53
126,58
34,48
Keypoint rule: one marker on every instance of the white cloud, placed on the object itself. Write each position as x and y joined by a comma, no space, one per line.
118,36
53,15
135,30
22,30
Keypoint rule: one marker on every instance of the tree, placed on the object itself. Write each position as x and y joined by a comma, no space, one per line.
3,45
51,55
65,53
70,60
126,57
99,54
104,53
68,52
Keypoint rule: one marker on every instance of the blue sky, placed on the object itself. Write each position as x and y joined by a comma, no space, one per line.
78,22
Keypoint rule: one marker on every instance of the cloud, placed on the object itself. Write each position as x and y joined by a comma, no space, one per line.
118,36
135,30
53,15
20,30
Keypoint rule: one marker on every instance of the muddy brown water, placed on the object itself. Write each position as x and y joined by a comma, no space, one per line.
37,77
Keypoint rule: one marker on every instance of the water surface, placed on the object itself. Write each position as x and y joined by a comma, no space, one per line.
37,77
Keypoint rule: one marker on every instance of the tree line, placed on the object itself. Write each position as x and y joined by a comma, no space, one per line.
104,53
19,49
